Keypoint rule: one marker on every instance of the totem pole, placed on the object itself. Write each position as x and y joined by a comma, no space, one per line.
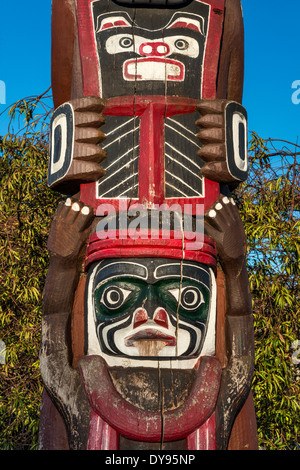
147,338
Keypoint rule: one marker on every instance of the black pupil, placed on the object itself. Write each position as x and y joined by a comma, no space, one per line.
180,44
189,297
115,296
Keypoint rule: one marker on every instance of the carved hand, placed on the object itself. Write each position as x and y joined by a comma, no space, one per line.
88,119
223,223
68,231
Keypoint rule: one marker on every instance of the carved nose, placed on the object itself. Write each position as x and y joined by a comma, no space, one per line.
140,317
161,317
156,49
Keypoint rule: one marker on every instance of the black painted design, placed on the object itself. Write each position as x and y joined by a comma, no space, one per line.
122,157
236,129
182,164
61,143
158,54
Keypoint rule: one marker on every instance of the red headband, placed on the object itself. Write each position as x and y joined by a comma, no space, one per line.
174,247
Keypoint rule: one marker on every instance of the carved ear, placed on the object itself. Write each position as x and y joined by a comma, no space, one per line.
236,135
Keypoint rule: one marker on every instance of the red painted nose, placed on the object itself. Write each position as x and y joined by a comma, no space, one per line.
154,49
140,317
160,317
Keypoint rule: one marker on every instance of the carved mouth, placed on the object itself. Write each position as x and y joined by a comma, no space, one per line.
150,334
153,68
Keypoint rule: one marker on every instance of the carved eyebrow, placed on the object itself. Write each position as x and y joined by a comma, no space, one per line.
189,23
120,269
111,22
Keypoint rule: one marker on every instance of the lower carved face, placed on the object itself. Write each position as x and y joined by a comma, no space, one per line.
150,308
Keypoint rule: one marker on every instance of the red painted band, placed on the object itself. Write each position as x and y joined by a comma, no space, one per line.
175,248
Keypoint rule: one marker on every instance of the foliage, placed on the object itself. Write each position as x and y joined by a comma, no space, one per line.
269,205
26,206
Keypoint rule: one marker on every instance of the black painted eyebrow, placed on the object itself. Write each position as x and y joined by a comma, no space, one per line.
186,271
120,269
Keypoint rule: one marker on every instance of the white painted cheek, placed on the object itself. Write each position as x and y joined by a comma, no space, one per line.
113,45
119,340
183,343
191,51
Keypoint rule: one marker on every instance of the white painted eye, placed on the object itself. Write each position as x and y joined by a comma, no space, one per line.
190,297
114,297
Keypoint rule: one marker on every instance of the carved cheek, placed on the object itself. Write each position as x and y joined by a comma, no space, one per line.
120,43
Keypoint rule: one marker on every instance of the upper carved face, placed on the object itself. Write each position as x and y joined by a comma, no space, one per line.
150,308
169,49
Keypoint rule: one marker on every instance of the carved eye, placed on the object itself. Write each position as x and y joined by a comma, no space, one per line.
126,42
181,44
190,297
114,297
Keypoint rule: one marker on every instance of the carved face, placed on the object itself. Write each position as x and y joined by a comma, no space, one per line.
168,51
150,308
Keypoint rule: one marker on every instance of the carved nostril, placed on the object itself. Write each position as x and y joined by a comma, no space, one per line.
140,317
161,317
154,49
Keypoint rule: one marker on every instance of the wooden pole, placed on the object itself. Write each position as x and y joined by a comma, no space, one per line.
147,337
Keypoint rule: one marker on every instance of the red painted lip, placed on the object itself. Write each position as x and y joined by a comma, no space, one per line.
150,334
153,60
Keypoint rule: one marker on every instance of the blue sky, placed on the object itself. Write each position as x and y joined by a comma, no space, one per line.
271,60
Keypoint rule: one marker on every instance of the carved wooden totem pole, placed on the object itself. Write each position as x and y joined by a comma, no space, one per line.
147,339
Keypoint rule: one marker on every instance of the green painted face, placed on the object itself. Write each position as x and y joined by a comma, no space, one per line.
187,298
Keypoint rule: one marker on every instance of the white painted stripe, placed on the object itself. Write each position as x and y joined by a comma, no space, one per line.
185,167
183,182
173,187
119,127
122,156
104,180
182,155
119,138
175,130
183,127
111,189
129,189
